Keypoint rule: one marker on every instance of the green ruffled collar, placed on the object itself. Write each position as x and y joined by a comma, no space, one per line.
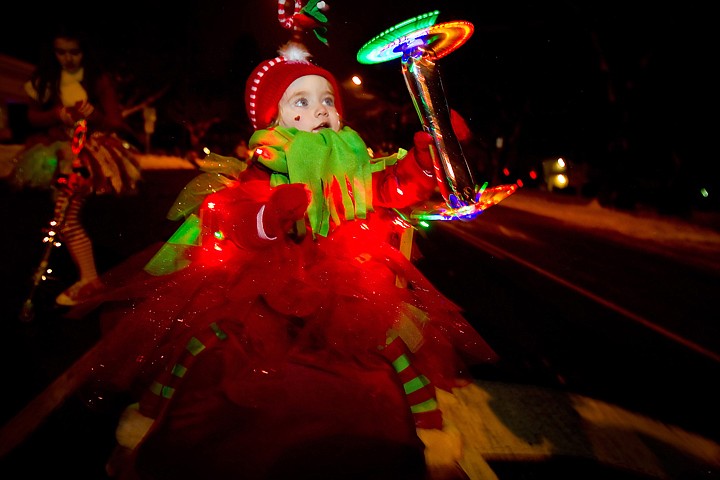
318,160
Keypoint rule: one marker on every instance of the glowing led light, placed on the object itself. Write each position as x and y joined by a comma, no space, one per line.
486,198
421,38
402,223
79,134
382,48
407,37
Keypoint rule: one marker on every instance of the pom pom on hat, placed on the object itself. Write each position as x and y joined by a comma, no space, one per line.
268,82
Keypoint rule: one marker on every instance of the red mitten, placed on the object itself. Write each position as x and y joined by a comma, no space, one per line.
286,205
411,180
423,142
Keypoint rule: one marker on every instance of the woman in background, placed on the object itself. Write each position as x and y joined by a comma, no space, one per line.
78,149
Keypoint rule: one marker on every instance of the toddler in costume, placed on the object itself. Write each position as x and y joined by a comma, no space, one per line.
284,347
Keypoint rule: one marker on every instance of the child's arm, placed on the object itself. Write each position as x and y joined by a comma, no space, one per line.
411,180
251,215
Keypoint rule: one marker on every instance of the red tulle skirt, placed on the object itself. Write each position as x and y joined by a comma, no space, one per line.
297,379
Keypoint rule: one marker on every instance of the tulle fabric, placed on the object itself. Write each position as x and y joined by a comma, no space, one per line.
314,416
337,295
35,167
109,163
298,386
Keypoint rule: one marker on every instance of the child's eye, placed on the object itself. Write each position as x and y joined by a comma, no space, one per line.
301,102
329,102
74,51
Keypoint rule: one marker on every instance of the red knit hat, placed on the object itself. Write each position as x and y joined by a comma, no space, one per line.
268,82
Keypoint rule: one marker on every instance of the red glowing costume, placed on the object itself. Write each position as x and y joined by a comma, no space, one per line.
295,355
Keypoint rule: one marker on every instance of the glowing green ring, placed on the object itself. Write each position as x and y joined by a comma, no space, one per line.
382,47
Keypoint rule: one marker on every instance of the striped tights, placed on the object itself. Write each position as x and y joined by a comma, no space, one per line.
74,235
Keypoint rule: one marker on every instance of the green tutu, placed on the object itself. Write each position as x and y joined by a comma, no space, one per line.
35,167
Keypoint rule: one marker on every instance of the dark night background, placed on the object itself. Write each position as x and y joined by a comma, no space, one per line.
625,90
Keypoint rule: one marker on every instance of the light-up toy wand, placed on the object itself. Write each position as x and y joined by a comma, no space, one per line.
419,42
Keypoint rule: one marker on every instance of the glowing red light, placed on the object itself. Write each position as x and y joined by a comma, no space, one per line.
79,134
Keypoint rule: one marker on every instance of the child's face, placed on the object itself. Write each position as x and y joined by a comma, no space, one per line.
68,53
308,104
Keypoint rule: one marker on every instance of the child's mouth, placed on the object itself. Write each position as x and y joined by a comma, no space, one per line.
321,126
